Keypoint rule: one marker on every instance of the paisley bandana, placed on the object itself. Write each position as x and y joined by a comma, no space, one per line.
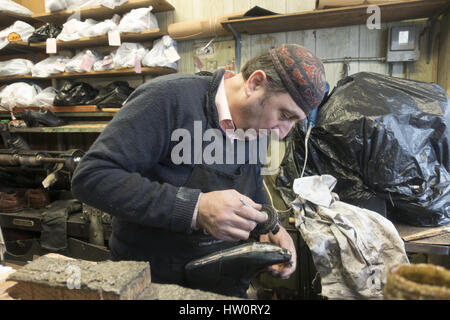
302,73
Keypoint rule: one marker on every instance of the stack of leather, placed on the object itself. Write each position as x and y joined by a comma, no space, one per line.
32,198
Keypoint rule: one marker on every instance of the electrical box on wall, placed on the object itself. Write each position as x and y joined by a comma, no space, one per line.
403,43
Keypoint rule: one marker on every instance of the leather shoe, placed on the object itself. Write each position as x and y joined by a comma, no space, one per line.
46,118
10,202
36,198
229,272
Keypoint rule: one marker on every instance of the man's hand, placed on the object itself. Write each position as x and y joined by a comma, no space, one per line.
284,240
225,217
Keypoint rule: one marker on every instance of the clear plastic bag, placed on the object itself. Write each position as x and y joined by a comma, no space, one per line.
45,98
138,20
22,28
77,30
81,61
128,54
19,94
51,65
107,63
15,67
158,56
14,7
103,27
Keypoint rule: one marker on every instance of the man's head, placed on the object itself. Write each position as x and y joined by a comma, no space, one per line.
282,86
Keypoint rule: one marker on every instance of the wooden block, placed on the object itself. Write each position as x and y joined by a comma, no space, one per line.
55,277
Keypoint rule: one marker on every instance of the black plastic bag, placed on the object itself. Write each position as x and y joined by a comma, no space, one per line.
380,137
48,30
113,95
73,94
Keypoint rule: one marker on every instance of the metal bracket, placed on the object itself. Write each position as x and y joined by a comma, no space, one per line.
238,47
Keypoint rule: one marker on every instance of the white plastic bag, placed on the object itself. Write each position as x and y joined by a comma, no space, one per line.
78,29
111,4
138,20
51,65
15,67
22,28
128,55
45,98
103,27
83,61
19,94
107,63
163,54
14,7
55,5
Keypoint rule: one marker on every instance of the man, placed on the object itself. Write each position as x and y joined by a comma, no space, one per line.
168,212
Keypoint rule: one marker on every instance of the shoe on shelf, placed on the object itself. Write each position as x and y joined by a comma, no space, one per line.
229,272
46,118
10,202
36,198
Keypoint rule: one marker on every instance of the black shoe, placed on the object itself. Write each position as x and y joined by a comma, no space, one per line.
230,271
46,118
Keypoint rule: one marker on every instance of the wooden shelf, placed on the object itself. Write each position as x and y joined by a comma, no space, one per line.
143,36
8,18
328,18
158,71
69,128
102,13
69,111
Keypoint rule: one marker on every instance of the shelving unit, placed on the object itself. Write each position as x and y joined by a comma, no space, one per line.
100,12
157,71
89,113
143,36
337,17
82,126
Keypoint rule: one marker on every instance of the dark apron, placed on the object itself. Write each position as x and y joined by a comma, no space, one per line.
168,252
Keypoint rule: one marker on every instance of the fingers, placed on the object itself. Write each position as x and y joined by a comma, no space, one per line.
250,213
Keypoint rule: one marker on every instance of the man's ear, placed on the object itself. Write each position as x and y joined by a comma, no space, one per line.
256,81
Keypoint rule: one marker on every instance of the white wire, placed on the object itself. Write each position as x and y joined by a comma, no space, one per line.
308,132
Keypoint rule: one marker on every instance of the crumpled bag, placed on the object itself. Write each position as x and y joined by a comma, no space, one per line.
75,64
113,95
48,30
127,55
45,98
138,20
107,63
102,28
18,94
157,56
21,28
10,6
73,94
353,249
51,65
56,5
15,67
79,30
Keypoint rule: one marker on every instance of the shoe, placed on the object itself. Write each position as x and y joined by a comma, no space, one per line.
36,198
46,118
10,202
229,272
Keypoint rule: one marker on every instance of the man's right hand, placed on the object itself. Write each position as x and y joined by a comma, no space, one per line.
225,217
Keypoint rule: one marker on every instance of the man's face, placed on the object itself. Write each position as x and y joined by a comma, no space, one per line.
275,112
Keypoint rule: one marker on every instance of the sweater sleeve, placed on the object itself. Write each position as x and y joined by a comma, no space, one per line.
110,176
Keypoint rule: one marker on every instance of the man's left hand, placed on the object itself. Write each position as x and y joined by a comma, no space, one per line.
284,240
